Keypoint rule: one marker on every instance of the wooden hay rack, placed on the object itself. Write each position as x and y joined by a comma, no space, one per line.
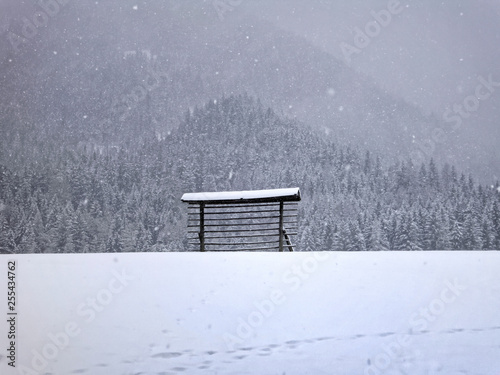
254,220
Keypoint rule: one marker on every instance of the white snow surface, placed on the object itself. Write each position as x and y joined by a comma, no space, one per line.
238,195
256,313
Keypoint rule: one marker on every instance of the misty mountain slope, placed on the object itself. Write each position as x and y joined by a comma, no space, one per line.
86,201
81,80
291,75
432,54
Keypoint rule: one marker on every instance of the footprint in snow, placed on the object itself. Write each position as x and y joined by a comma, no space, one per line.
166,355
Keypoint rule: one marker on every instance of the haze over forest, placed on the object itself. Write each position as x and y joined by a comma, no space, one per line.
110,110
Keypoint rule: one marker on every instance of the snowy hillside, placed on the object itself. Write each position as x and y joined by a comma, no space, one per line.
266,313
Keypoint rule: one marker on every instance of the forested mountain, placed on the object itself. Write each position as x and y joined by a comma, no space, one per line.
114,200
95,75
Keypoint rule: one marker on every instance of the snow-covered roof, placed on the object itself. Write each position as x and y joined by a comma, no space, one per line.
270,195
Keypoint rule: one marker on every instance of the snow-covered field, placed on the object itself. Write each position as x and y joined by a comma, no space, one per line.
256,313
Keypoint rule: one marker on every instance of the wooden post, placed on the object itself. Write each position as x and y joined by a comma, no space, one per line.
202,226
281,227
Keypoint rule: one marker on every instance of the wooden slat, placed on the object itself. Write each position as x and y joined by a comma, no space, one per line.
273,206
196,225
236,244
231,225
253,249
245,218
243,204
287,224
229,236
241,212
219,206
224,206
239,230
223,222
240,236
